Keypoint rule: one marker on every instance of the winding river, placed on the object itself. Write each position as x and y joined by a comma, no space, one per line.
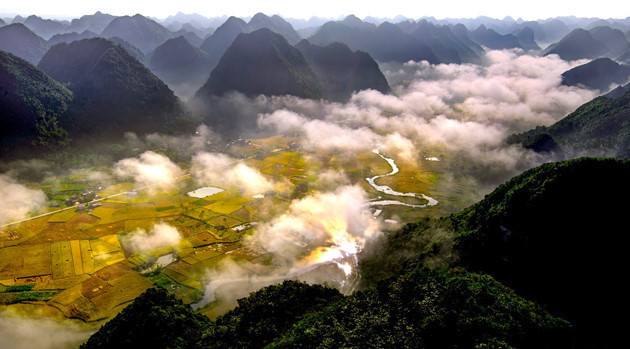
387,190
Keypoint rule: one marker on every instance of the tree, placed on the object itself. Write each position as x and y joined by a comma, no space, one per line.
50,134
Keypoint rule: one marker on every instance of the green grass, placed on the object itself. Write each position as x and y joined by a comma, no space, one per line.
160,280
19,288
33,296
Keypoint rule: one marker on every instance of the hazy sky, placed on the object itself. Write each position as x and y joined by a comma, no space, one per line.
529,9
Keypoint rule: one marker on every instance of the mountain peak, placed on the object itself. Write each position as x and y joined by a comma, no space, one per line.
21,41
115,93
262,62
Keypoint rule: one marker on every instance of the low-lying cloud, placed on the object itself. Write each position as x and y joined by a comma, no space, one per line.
220,169
25,332
149,169
16,200
335,218
159,236
467,109
316,240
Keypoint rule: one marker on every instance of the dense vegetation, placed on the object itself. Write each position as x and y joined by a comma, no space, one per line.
600,127
554,234
422,308
540,234
262,62
114,93
31,105
154,320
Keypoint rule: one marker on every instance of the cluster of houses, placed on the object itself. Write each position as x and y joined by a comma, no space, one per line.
85,200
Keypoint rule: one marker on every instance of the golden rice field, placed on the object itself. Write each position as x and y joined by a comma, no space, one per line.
83,261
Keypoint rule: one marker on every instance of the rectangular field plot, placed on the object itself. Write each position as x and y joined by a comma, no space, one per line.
106,215
106,229
70,258
224,207
136,212
63,216
202,214
25,261
145,224
225,221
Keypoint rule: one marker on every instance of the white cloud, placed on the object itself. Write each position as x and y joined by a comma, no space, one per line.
26,332
150,169
17,200
220,169
159,236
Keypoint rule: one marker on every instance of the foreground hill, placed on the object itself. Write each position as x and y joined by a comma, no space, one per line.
113,92
343,71
541,234
419,309
29,102
599,74
262,62
600,127
22,42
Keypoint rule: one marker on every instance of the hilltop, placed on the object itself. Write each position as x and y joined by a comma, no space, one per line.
262,62
114,92
31,104
599,128
19,40
538,235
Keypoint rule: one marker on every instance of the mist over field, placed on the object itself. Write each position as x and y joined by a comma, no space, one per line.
22,331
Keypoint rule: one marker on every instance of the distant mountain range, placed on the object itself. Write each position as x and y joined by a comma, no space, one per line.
216,44
95,23
22,42
590,44
337,60
493,40
177,61
139,31
263,62
343,71
396,40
